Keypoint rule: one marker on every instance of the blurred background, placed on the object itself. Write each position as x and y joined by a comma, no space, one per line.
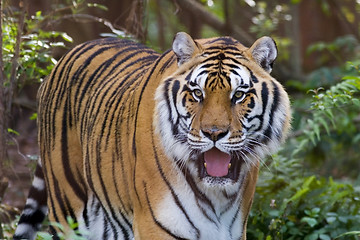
309,190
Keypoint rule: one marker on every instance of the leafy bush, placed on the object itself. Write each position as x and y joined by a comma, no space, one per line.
290,201
74,233
329,137
35,60
291,205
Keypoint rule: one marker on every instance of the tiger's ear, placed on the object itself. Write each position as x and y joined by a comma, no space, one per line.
264,52
184,47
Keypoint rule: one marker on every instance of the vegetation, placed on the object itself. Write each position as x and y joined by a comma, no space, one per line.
293,203
309,190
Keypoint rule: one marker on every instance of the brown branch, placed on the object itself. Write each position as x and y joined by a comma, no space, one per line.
213,21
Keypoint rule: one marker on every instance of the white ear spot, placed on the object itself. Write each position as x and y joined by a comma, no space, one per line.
184,47
264,52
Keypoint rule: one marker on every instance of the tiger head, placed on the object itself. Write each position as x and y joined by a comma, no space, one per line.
220,112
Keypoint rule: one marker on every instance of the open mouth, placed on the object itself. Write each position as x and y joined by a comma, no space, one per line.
217,164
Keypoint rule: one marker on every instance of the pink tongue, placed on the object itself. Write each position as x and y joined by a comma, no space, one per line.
217,162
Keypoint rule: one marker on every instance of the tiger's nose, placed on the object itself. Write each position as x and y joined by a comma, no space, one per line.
214,133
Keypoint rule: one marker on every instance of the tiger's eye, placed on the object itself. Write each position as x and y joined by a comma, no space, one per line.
198,93
238,94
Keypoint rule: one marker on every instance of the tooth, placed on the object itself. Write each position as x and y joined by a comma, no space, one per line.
229,166
205,164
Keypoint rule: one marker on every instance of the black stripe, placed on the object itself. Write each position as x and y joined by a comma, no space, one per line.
225,42
51,206
106,229
119,93
154,218
104,66
89,80
253,78
70,210
174,195
99,206
53,233
188,76
58,199
33,219
198,194
168,63
251,104
264,96
232,66
236,215
39,195
85,216
150,75
105,192
69,174
60,88
268,132
174,90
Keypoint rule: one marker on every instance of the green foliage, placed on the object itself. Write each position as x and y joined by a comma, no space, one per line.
74,233
340,100
289,204
330,129
35,61
293,203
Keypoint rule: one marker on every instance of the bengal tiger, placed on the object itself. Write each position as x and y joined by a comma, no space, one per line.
140,145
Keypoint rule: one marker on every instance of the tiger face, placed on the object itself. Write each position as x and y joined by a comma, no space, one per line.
221,112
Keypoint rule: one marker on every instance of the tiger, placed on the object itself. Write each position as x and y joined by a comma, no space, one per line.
135,144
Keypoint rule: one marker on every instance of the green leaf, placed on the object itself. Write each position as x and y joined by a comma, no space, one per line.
313,236
57,225
330,220
66,37
44,236
33,116
299,194
13,131
268,237
352,233
324,237
310,221
356,101
315,212
308,181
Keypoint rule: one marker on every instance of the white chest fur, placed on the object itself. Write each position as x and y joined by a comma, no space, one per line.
212,216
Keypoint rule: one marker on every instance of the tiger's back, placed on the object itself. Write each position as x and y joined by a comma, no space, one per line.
135,144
